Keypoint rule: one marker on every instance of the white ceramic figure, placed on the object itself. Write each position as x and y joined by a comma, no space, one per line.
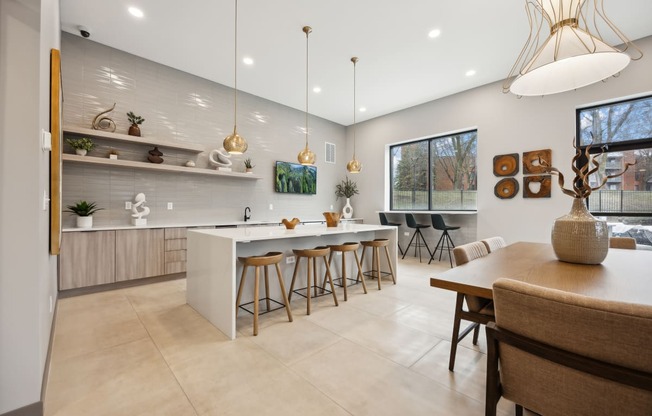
220,158
139,210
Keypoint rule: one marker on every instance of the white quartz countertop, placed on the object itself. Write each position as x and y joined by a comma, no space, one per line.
248,234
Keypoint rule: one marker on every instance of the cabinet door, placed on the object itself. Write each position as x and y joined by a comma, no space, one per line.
139,253
87,259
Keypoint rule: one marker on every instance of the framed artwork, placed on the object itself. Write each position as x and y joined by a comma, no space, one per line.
506,165
293,178
531,164
537,186
56,99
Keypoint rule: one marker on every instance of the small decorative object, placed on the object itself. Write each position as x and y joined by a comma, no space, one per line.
506,165
332,218
531,161
82,145
249,167
113,154
84,212
578,237
155,155
542,181
506,188
134,129
139,210
290,224
190,163
104,123
221,159
346,189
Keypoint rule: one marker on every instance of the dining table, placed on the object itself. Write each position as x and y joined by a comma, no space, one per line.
624,275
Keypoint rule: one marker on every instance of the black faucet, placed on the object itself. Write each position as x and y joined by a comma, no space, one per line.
246,217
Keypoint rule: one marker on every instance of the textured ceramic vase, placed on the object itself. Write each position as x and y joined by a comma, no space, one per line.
134,130
347,211
578,237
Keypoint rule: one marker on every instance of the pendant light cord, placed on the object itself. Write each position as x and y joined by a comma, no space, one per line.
235,70
354,105
307,30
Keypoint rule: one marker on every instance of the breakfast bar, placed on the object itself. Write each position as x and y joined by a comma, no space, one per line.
213,268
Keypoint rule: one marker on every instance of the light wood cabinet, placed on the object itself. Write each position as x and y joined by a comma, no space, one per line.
87,259
139,253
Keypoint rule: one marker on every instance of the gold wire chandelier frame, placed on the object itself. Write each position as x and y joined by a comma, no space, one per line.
354,165
306,156
234,143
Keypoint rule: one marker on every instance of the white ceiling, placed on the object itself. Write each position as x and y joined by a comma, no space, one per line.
399,67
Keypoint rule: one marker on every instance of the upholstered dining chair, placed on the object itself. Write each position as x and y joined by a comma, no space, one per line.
494,243
479,310
559,353
622,242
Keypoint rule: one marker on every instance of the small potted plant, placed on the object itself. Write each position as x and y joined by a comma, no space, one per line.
82,145
84,212
249,167
113,154
134,129
346,189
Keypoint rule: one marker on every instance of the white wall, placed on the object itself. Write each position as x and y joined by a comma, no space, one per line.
505,124
28,29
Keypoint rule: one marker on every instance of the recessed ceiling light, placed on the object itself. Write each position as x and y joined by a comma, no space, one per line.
363,109
247,60
135,11
317,89
434,33
470,72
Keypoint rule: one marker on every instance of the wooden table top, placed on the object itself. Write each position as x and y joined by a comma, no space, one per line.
625,275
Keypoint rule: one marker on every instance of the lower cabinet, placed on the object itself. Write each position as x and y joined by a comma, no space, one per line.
87,259
139,253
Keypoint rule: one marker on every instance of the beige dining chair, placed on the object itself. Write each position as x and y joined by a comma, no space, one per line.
479,310
494,243
559,353
622,242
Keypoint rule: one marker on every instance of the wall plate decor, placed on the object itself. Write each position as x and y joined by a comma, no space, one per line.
506,165
506,188
536,186
531,161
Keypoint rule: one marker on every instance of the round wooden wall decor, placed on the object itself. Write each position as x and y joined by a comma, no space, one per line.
506,188
506,165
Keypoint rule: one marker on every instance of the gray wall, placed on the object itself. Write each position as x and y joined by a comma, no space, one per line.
505,125
28,29
182,107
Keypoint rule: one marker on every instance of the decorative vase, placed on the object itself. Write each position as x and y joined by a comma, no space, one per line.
134,130
81,152
578,237
347,211
85,222
332,218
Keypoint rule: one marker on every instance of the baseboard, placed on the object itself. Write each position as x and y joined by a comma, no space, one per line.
119,285
46,370
34,409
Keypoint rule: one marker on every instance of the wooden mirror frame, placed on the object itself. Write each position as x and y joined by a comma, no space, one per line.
55,155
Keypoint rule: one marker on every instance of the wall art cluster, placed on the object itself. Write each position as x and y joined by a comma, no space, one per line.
536,184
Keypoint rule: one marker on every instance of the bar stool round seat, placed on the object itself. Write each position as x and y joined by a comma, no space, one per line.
266,260
311,282
347,248
375,271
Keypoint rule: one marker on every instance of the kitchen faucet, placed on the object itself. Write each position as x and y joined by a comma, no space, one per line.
246,217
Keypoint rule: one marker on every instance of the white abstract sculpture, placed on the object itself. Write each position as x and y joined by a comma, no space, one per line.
139,203
220,158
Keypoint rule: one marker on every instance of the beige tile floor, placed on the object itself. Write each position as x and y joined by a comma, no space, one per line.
143,351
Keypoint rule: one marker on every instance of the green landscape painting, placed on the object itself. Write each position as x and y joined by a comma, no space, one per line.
292,178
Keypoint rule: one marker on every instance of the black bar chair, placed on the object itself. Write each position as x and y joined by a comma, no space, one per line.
445,239
412,223
383,221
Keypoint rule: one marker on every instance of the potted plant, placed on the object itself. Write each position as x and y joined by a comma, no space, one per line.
248,165
346,189
82,145
113,154
84,212
135,121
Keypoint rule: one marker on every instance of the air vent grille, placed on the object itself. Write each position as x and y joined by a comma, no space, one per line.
330,152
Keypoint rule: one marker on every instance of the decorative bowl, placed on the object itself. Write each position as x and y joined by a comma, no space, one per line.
290,224
332,218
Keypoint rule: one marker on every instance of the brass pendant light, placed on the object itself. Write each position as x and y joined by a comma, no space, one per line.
354,165
234,143
306,156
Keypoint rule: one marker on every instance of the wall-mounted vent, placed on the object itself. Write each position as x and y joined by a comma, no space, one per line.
330,153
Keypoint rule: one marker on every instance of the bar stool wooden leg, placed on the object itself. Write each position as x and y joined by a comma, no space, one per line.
294,277
256,301
377,258
242,280
330,279
364,250
389,262
267,289
344,282
308,286
360,275
285,296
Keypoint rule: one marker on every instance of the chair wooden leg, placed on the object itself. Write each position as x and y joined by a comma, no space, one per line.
377,261
267,289
256,301
283,294
476,332
518,410
239,297
294,277
389,262
330,279
360,275
492,392
308,287
344,282
456,330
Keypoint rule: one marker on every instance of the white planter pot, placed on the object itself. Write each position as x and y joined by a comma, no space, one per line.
85,222
81,152
347,211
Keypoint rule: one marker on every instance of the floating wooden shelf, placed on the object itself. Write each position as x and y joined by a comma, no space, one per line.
90,160
81,131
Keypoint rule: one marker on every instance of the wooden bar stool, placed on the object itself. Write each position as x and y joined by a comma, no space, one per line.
312,254
375,259
257,262
344,248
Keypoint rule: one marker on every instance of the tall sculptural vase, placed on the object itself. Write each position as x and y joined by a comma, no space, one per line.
579,237
347,212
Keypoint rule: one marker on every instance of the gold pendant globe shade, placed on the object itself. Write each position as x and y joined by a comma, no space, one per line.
354,166
235,144
306,157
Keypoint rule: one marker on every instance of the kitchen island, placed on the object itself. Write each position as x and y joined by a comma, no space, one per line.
213,269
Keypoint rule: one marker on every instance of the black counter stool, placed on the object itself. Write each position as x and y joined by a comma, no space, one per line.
383,221
347,248
257,262
312,254
445,239
412,223
375,259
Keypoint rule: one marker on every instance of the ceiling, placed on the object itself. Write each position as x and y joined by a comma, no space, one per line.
399,65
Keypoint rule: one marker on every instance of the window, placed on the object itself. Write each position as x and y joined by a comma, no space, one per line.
622,132
434,174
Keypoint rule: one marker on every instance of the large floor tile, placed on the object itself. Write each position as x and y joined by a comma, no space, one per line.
425,319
